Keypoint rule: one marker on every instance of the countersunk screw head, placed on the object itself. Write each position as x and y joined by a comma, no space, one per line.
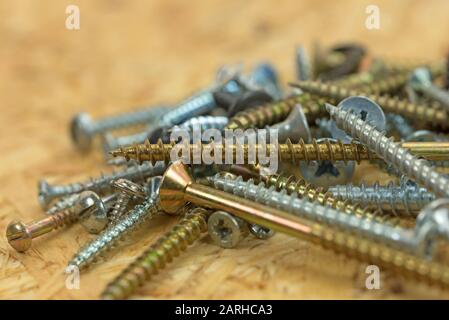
80,131
92,212
363,107
18,236
420,78
171,192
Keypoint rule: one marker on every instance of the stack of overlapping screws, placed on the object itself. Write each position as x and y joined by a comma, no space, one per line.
226,159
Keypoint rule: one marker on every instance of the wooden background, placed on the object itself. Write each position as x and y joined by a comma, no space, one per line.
132,53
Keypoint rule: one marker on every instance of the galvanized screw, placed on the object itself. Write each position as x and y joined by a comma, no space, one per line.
226,230
20,235
83,129
115,232
408,133
386,233
303,67
391,152
127,190
404,198
47,193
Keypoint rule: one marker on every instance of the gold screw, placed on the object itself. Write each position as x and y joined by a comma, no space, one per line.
274,112
431,115
288,152
178,187
20,235
155,258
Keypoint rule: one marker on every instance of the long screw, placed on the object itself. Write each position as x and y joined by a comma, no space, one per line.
47,193
428,114
83,129
391,152
177,188
127,190
366,227
288,152
20,235
156,257
274,112
405,198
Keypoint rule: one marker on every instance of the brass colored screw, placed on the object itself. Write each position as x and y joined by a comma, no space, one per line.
155,258
177,188
274,112
20,235
388,84
288,152
431,115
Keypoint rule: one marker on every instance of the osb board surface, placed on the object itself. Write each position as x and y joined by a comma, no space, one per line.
131,53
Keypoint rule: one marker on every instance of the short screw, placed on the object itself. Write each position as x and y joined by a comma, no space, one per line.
421,80
155,258
226,230
404,198
391,152
115,232
83,129
20,235
47,193
126,191
430,115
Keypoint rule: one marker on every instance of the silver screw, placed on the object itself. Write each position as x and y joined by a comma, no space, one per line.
265,77
366,109
295,126
63,204
404,239
303,68
127,190
408,133
226,230
47,193
83,129
421,80
404,198
115,232
260,232
391,152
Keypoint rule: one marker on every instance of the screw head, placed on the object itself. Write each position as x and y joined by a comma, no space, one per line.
80,131
18,236
295,126
260,232
43,193
422,136
129,187
420,78
174,182
363,107
92,212
225,229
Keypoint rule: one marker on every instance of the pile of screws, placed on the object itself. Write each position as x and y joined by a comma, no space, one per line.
347,107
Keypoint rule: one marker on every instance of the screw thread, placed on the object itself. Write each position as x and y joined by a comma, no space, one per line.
155,258
314,151
64,218
391,152
200,103
387,84
401,199
119,208
63,204
114,233
306,190
204,123
366,227
274,112
428,114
